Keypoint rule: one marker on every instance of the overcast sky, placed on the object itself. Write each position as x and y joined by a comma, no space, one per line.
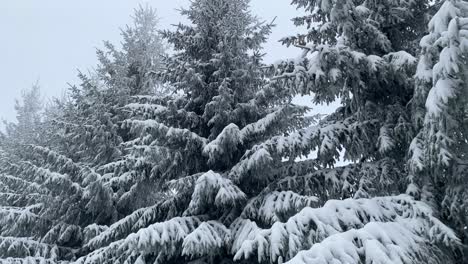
49,40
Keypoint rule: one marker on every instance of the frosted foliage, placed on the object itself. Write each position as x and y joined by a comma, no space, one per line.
232,137
27,260
208,239
226,168
448,30
439,96
386,142
448,11
417,154
52,187
165,239
23,247
376,242
145,109
27,129
211,189
132,69
133,222
353,180
441,89
312,226
401,59
277,116
170,134
324,138
225,143
17,216
9,182
276,206
93,231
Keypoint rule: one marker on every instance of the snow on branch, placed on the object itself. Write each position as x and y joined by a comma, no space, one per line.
140,218
20,221
63,234
162,112
448,37
314,225
54,182
301,142
159,100
28,260
21,185
226,142
385,141
400,60
208,239
163,239
276,206
342,182
53,161
212,189
261,126
417,152
170,135
19,199
376,242
146,110
16,247
184,183
323,65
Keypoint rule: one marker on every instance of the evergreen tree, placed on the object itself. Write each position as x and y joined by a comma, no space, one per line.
55,200
92,116
223,111
28,115
226,148
46,199
214,172
438,160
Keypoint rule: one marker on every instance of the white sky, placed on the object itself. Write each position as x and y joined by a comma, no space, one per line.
48,40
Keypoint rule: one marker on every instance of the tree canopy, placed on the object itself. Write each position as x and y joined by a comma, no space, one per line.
200,155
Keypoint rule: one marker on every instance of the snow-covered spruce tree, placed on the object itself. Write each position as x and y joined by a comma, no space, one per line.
47,201
52,204
225,147
122,77
28,115
361,53
439,162
223,111
92,116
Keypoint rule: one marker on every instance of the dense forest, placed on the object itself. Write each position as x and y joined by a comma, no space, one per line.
184,146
